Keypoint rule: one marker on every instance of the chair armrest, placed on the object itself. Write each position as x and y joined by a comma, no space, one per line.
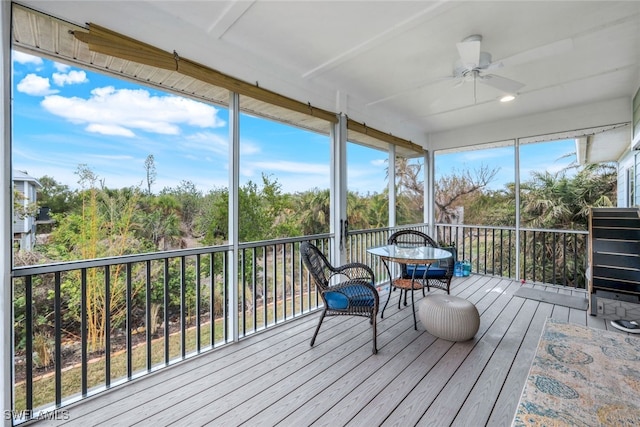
355,271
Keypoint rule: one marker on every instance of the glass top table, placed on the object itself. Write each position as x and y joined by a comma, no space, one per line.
414,255
410,254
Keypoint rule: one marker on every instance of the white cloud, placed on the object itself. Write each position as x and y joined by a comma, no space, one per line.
25,58
35,85
109,110
247,148
113,157
72,77
292,167
109,130
62,68
206,141
378,162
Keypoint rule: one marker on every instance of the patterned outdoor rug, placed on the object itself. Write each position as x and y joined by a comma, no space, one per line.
582,377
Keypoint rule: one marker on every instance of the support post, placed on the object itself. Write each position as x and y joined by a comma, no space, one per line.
234,185
517,191
338,191
6,303
392,187
429,193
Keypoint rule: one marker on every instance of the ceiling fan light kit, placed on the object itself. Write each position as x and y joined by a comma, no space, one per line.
473,64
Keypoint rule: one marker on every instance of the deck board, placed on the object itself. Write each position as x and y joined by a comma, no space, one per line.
275,378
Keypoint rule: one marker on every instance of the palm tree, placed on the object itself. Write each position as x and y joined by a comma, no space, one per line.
560,201
313,208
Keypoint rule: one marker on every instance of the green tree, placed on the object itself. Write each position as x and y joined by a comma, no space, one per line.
312,208
409,191
57,197
458,189
562,201
190,200
150,169
104,226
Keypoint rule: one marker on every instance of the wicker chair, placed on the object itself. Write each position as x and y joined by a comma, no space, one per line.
438,276
415,277
345,290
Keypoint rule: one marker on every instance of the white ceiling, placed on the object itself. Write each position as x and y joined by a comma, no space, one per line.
384,63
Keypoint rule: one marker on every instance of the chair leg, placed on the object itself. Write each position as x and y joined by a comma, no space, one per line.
313,340
391,288
373,326
413,308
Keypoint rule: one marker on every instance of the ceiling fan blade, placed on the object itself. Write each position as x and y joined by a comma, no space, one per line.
469,53
493,66
551,49
501,83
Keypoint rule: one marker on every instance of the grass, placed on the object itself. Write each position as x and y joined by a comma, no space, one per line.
44,387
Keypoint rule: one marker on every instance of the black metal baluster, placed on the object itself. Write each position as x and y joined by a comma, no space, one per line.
243,298
284,282
198,296
225,297
148,320
128,321
166,311
28,329
183,307
107,327
534,256
58,334
83,331
575,260
265,292
524,257
564,258
254,287
485,250
501,252
544,257
212,299
554,246
275,284
464,243
493,251
292,253
510,254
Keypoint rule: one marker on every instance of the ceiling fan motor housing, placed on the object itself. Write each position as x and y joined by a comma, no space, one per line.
460,70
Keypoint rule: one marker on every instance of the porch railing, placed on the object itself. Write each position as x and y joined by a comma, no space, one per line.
84,326
358,241
547,256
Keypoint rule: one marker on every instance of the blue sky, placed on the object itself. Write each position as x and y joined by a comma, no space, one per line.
544,156
65,116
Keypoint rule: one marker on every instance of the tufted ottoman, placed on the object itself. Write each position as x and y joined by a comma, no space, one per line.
449,317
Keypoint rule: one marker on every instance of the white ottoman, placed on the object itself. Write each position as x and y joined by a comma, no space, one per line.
449,317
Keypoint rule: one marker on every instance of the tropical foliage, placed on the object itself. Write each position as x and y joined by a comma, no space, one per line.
95,221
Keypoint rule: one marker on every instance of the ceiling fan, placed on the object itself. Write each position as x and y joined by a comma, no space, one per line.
474,66
474,63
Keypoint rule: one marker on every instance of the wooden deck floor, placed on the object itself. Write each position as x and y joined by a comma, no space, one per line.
275,378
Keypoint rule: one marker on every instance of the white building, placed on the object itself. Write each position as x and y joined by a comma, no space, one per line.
26,195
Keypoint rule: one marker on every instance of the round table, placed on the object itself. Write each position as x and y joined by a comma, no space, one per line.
416,255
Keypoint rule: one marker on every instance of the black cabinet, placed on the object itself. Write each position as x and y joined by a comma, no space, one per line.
614,254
